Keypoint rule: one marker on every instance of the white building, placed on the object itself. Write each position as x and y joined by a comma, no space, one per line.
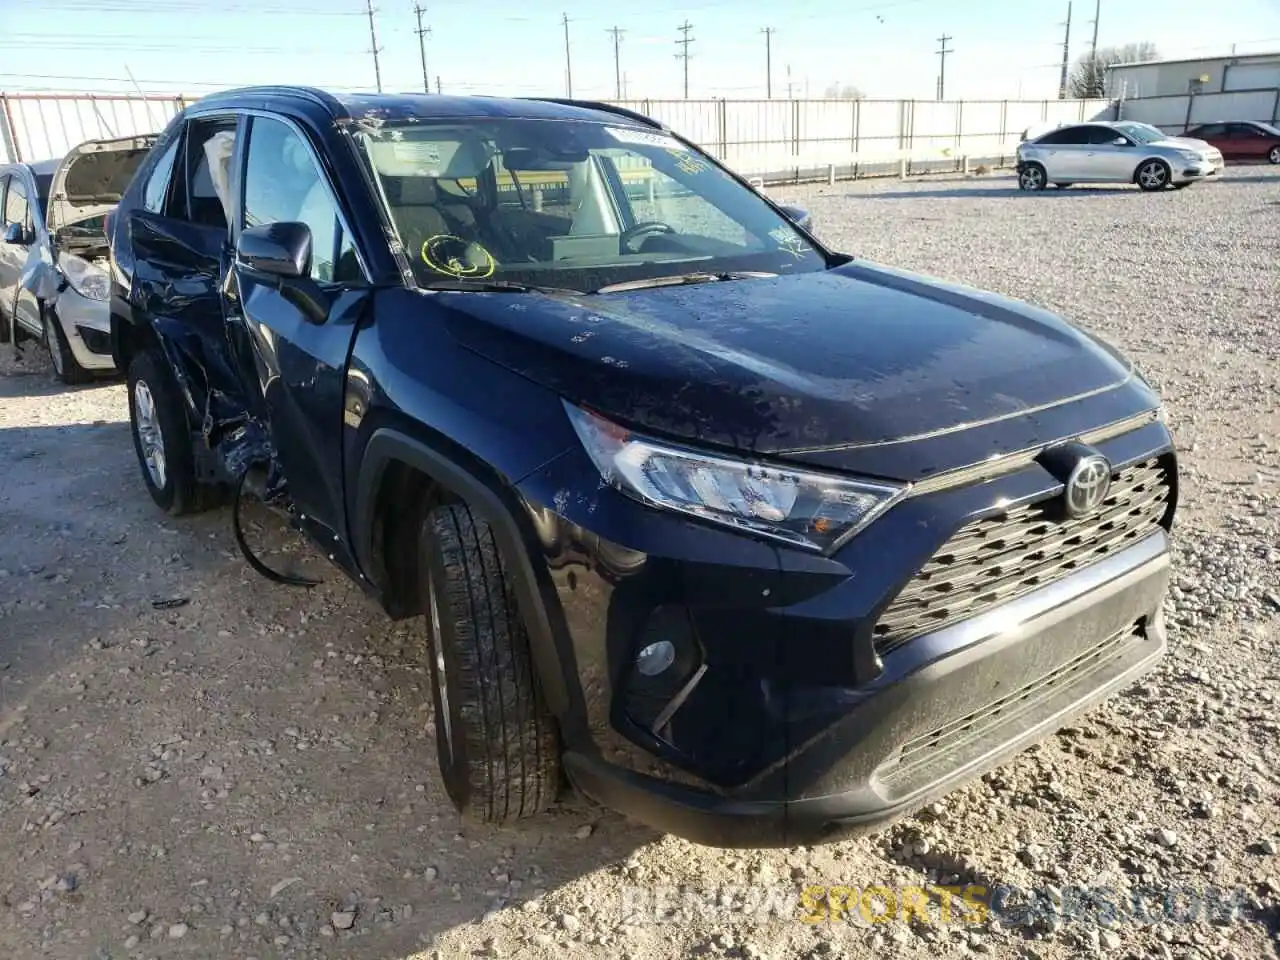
1169,78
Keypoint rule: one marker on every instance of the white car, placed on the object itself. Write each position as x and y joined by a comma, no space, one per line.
1113,152
53,253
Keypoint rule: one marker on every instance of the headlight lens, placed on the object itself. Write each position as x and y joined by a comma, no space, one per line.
805,509
1189,155
85,278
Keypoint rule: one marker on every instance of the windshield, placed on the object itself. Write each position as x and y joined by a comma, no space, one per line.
1268,128
1142,132
571,204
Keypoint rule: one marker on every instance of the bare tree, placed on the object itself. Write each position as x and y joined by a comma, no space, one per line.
847,92
1088,78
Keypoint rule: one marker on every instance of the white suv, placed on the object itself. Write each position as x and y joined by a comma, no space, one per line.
1116,152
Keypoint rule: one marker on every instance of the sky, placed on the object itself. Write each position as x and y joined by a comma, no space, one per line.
885,48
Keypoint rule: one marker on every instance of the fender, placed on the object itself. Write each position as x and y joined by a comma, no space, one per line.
539,604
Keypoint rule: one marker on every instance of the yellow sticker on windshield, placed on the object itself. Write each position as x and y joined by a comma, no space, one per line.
455,257
689,163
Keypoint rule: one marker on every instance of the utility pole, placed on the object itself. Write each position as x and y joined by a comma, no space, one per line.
1066,56
422,45
568,65
768,61
374,48
1095,74
437,84
684,42
617,63
942,65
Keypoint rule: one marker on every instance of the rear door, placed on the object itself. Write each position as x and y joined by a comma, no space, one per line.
181,244
1063,154
300,361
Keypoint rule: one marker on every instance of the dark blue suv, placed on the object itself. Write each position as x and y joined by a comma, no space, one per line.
754,541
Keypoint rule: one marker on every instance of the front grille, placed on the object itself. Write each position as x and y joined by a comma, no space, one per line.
992,561
957,737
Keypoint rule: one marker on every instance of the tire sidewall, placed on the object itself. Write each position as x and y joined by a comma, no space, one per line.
451,751
1274,155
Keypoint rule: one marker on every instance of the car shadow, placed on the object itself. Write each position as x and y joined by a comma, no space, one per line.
143,664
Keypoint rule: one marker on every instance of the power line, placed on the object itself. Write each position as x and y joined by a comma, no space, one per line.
768,60
373,45
423,33
942,65
568,63
1066,56
684,55
617,64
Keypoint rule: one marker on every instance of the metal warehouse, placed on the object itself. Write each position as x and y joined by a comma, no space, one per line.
1168,78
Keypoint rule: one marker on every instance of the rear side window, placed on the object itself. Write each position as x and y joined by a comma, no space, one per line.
157,185
199,192
284,184
15,202
1066,135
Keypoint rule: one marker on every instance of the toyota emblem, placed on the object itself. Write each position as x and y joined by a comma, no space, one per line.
1088,485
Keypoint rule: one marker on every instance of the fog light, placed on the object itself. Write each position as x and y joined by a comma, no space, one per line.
656,658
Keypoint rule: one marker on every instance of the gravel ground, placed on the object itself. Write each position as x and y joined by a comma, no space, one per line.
197,763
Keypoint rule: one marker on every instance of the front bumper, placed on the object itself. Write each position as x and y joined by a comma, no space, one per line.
1188,172
954,704
86,324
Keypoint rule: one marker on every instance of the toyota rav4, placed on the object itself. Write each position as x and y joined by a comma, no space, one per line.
755,541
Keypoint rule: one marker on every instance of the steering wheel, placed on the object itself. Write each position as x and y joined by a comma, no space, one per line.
643,229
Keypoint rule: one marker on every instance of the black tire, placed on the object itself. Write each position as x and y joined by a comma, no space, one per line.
174,489
65,365
1152,175
1032,178
1274,154
497,745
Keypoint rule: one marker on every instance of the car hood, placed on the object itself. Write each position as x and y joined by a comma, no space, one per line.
1185,143
857,355
92,178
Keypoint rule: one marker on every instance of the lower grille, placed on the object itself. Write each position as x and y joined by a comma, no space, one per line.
995,560
947,740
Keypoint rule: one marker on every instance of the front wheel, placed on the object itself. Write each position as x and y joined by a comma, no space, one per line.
496,741
1153,175
1274,155
65,365
1032,178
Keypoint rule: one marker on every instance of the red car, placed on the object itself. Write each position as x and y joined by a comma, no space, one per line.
1246,140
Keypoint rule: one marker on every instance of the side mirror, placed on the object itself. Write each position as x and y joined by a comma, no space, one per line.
1120,142
798,216
282,251
276,249
15,233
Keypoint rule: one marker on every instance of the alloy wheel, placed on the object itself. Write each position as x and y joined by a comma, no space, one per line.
1152,175
150,437
1031,179
1274,155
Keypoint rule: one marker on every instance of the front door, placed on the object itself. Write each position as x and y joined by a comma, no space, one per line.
1248,142
300,361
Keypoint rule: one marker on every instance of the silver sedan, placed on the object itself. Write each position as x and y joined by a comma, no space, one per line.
1113,153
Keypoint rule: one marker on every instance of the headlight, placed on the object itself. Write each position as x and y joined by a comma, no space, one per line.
85,278
806,509
1189,155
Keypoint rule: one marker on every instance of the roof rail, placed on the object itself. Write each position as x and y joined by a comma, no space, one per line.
603,106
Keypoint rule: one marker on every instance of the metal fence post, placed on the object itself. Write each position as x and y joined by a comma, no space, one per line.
7,135
857,134
960,132
1004,130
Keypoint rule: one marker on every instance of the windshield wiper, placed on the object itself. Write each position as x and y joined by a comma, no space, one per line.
681,279
492,286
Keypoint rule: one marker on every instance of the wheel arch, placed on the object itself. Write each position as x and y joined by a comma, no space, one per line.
400,469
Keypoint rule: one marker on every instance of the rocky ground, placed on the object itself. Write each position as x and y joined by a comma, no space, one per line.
197,763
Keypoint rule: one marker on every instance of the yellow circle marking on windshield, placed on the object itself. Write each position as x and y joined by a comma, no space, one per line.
436,255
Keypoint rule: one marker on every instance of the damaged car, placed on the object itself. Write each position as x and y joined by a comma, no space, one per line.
53,261
751,540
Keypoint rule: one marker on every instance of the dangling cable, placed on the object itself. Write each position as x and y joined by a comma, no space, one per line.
288,579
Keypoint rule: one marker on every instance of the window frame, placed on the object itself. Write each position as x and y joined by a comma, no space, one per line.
240,164
174,147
